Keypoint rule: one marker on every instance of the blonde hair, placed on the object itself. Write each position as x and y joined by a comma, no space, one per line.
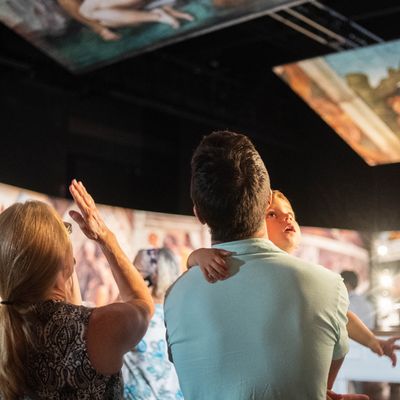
33,247
160,267
276,194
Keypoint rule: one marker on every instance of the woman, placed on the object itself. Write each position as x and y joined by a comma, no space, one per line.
51,347
148,375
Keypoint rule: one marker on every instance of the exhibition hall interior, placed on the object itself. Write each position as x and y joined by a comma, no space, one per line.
118,95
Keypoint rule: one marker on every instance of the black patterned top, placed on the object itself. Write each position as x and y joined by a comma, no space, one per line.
60,369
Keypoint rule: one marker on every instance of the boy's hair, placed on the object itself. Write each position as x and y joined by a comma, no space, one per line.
350,278
279,195
230,186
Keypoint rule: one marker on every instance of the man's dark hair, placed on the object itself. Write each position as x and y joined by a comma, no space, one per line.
350,278
230,186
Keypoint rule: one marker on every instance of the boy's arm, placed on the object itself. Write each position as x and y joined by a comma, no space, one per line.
211,262
359,332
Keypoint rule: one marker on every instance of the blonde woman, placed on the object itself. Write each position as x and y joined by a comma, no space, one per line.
50,347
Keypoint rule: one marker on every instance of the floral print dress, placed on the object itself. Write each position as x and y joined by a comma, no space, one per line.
147,372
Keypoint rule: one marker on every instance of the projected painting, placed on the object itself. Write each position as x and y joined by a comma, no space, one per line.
357,93
135,230
333,248
82,34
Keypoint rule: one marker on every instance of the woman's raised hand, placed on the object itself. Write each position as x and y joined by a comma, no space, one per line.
89,219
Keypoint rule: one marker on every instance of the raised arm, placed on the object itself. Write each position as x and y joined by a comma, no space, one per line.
115,328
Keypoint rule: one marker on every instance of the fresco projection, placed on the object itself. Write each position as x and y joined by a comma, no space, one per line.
357,93
334,248
83,34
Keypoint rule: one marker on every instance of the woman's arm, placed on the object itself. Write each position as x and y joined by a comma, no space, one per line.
115,328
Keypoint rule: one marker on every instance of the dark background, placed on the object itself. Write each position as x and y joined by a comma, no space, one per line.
128,130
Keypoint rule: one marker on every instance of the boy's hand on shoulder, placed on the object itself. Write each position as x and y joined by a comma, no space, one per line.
212,263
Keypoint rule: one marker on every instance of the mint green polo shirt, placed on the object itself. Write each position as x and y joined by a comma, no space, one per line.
270,331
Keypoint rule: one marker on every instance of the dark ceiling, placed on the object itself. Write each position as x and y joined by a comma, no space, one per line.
128,130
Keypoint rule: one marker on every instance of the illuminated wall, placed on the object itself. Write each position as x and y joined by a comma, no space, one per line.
335,249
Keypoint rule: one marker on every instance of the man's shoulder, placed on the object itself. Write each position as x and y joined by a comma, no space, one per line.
184,283
306,267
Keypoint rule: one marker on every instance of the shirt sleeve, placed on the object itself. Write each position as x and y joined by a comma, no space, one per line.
342,343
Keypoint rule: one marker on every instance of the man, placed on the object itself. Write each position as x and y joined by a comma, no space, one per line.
276,329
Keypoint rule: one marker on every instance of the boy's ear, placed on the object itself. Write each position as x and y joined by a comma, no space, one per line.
269,199
198,216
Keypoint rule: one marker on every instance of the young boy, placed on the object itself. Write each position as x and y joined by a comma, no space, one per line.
284,232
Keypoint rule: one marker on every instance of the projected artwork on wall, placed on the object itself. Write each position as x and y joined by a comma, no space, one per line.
135,230
82,34
357,93
334,248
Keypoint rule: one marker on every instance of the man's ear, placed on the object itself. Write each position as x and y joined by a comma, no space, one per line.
198,216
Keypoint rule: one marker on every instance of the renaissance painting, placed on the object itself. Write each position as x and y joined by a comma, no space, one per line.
333,248
357,93
83,34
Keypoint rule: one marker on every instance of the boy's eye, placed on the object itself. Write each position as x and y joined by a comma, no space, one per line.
271,214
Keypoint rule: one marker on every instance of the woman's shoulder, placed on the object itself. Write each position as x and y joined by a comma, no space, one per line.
55,311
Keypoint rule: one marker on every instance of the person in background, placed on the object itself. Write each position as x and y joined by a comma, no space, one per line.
51,346
147,372
284,232
359,304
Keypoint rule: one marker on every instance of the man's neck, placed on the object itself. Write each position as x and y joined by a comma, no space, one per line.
261,234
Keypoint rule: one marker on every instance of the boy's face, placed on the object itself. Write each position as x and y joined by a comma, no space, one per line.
283,229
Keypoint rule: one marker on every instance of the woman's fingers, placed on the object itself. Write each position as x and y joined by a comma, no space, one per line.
83,199
86,196
77,217
78,196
